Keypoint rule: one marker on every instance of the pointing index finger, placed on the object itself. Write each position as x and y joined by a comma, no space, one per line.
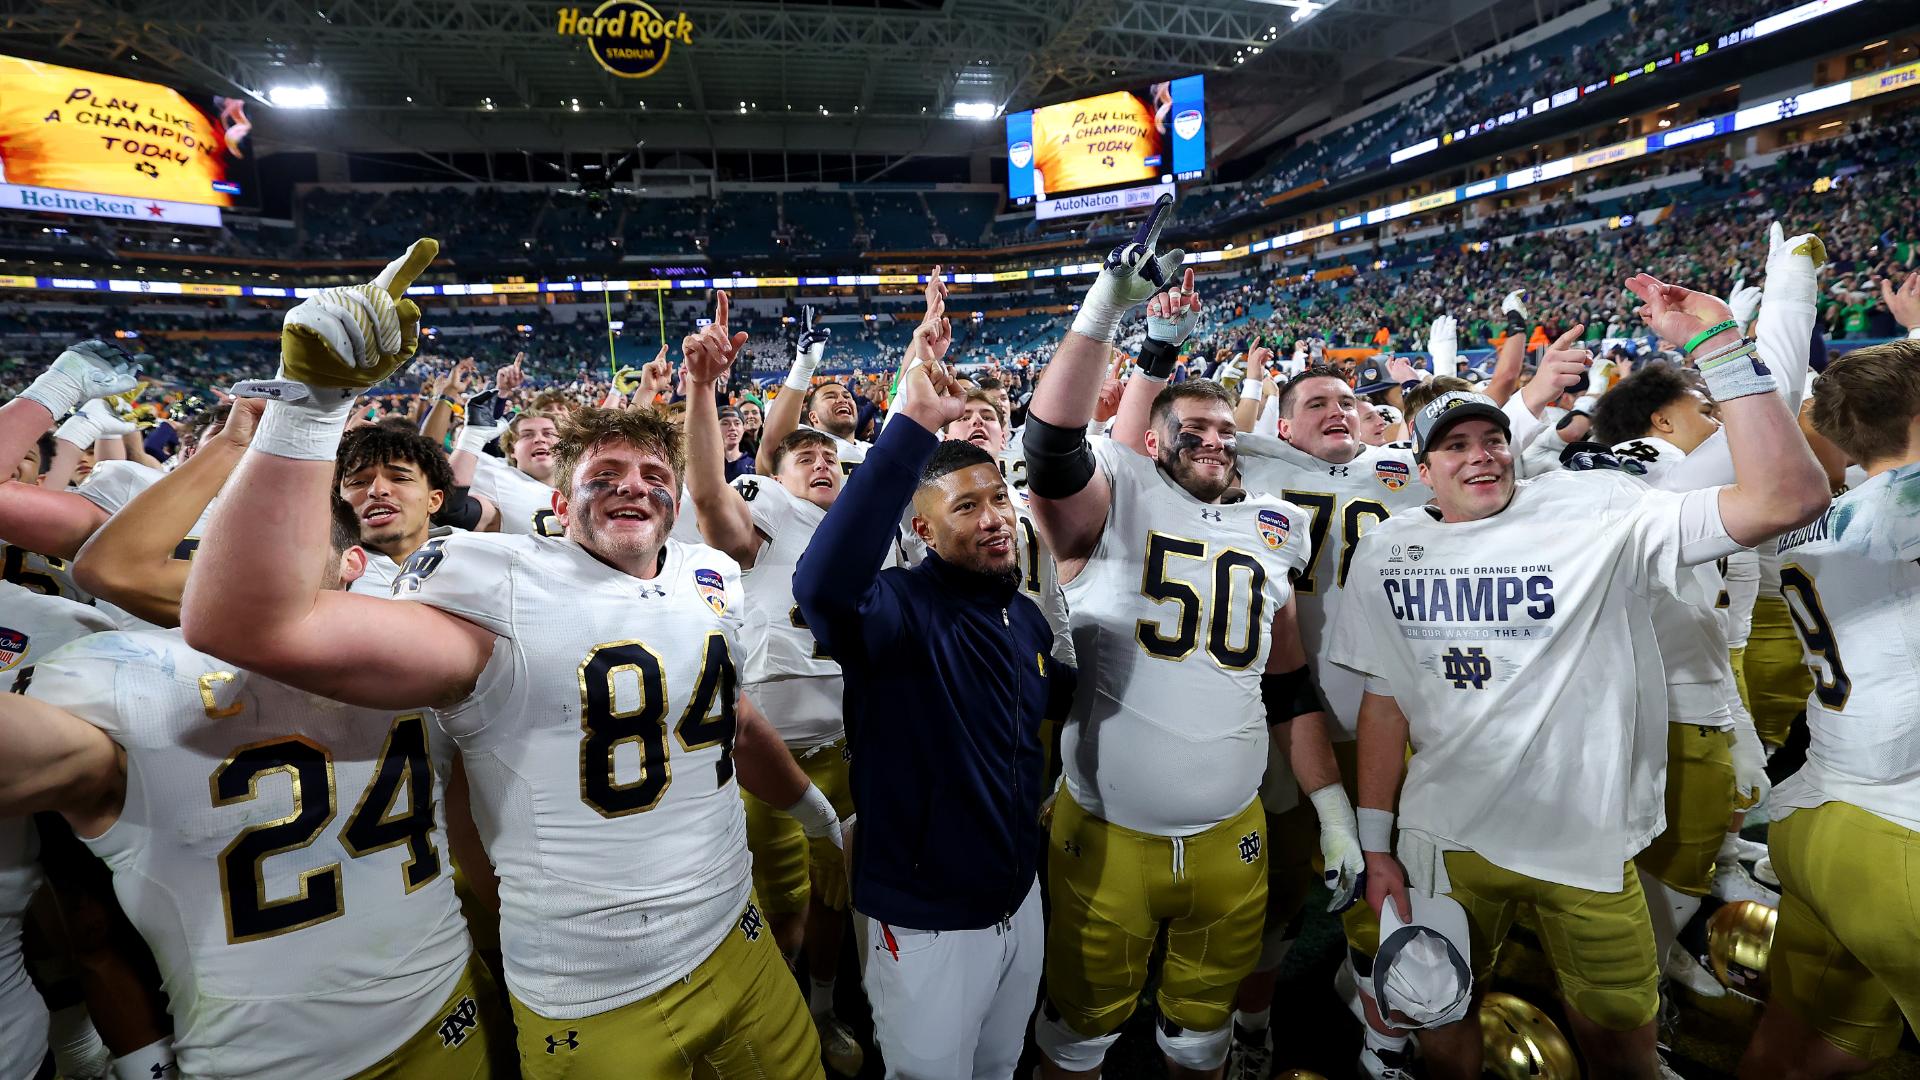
1148,234
720,305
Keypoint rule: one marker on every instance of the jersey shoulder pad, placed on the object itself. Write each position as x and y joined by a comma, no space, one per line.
770,504
113,484
467,574
1123,467
33,625
84,677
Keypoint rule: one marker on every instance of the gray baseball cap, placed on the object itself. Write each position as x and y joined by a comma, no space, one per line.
1443,412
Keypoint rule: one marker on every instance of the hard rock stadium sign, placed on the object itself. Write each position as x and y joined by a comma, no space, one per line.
627,37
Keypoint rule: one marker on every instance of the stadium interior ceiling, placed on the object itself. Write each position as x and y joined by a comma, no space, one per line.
870,77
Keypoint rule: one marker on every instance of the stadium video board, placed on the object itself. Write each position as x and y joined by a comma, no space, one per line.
80,142
1123,139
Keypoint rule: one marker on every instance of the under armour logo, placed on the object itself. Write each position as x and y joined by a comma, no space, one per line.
1337,470
846,752
1211,515
751,923
162,1071
1071,847
1467,668
1250,847
463,1019
571,1042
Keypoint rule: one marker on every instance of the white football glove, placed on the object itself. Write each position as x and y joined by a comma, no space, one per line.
1750,784
1132,274
1745,302
1339,845
1229,374
96,420
1515,302
1443,343
1793,265
84,371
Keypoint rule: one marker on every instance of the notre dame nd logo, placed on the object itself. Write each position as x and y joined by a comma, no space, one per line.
627,37
1467,668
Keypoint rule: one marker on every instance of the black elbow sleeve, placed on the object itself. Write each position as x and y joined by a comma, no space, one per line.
1059,461
1291,693
462,510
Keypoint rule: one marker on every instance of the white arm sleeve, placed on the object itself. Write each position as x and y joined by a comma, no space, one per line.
1526,426
1784,338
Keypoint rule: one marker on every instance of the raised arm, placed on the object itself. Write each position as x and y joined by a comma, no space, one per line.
1070,496
1171,317
258,595
723,516
837,584
1783,332
53,521
132,561
1511,356
1778,485
782,416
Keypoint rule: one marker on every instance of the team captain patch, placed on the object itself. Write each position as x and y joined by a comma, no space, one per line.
712,589
1391,473
13,646
1274,527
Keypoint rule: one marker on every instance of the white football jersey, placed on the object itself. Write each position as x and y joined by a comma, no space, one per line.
775,637
1852,583
1171,624
1342,502
32,626
283,855
599,753
114,484
1521,649
526,504
851,452
48,575
1541,455
379,575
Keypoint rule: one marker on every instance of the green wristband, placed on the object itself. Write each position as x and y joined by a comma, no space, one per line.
1707,333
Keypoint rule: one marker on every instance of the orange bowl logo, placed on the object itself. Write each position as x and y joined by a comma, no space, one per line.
13,646
712,589
1020,154
1392,473
1187,123
1274,527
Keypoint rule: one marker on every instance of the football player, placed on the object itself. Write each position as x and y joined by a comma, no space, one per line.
516,495
260,916
828,406
1177,596
765,523
1346,487
396,481
589,682
1475,621
1845,962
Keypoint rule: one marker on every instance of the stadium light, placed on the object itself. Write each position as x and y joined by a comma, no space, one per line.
975,110
298,97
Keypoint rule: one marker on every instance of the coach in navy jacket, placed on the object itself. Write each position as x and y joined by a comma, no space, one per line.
947,681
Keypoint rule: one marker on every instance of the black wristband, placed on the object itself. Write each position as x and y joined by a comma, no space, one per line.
1157,359
462,510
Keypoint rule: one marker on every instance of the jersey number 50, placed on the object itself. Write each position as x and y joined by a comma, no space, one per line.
1230,570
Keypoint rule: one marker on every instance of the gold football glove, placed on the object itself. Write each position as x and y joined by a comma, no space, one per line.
357,335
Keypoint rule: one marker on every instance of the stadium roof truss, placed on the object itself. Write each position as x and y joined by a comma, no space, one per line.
866,75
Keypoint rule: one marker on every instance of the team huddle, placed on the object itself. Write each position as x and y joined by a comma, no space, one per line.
332,754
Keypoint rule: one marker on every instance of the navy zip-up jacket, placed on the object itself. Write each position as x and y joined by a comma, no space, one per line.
947,680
